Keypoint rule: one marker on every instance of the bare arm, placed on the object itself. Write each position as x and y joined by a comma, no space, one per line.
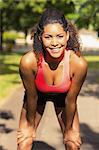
28,77
71,99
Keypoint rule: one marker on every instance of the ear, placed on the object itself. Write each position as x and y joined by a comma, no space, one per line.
67,34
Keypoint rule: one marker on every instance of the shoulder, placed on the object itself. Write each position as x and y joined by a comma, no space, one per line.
28,61
78,63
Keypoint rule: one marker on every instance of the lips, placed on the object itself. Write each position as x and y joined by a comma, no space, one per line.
55,50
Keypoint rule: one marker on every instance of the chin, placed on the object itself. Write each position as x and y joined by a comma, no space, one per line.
57,54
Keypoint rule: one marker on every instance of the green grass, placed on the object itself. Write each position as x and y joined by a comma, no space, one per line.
93,62
9,73
92,58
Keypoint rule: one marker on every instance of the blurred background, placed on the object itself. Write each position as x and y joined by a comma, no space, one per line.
18,18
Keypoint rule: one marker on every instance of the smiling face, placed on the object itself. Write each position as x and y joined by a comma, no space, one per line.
54,39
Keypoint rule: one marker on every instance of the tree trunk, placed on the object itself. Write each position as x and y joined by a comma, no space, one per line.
26,32
1,31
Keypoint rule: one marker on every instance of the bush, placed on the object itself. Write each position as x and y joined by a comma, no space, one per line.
12,35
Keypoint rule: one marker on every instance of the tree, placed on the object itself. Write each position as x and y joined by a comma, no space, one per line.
1,30
88,14
22,15
19,15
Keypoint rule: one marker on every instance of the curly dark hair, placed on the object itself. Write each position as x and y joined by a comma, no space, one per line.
50,16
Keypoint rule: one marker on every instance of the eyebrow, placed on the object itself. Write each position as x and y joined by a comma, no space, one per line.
47,34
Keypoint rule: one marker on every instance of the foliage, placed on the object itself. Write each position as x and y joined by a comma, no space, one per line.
9,72
25,13
88,14
12,35
22,15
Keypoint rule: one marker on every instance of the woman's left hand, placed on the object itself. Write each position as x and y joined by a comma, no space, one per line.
72,136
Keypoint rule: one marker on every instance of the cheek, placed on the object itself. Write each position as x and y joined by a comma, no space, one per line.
46,43
63,41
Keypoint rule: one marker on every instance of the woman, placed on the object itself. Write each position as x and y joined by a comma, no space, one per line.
53,71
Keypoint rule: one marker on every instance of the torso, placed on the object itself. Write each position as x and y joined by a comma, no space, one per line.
53,77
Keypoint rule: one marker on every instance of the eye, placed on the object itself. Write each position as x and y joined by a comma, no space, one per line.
47,37
60,36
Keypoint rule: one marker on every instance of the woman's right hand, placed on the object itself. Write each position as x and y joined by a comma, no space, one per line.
25,136
26,144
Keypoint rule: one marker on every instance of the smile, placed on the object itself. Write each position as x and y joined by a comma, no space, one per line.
55,50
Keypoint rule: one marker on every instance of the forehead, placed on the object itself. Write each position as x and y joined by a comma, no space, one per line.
53,28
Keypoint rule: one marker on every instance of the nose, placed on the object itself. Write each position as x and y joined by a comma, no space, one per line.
54,42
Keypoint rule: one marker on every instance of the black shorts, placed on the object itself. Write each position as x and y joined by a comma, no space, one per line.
57,98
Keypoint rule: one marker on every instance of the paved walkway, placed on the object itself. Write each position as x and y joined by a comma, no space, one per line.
49,136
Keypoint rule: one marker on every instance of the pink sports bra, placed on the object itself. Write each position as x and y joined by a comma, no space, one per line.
62,87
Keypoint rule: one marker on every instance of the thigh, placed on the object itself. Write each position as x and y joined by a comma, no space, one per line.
60,112
39,113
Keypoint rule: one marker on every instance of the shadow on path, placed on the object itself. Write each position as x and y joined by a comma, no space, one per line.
5,115
1,148
4,129
40,145
91,84
89,136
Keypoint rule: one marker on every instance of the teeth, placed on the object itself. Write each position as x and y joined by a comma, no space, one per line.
55,49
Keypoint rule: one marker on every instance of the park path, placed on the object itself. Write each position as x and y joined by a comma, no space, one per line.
49,136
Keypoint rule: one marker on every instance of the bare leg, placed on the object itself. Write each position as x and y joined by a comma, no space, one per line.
22,124
62,121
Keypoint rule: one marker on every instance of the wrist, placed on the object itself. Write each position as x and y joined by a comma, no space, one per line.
30,124
72,130
68,128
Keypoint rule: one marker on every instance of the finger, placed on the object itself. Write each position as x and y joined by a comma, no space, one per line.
20,136
80,141
77,144
20,140
19,132
70,146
